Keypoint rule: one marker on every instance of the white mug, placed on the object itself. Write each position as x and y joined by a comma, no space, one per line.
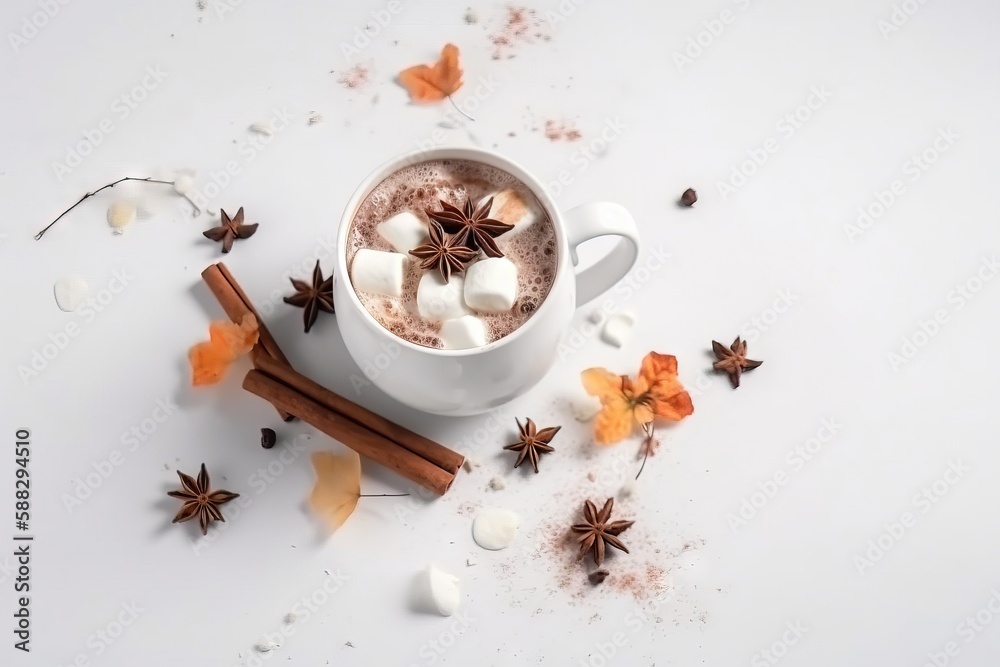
475,380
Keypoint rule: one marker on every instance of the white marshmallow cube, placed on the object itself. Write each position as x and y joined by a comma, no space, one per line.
438,300
618,329
403,231
463,333
491,285
437,591
517,207
378,272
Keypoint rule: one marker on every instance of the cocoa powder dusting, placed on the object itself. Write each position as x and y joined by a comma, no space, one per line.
561,131
354,78
520,25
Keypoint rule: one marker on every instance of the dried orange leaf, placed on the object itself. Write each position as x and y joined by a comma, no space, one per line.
431,83
626,404
337,488
227,342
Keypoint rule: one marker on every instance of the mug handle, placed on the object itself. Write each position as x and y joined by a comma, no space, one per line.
589,221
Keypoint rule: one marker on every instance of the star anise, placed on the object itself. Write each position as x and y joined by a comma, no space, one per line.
312,298
733,360
472,226
442,251
230,230
533,443
199,501
596,533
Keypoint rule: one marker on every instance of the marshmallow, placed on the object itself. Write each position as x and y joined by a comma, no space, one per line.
491,285
378,272
517,207
618,329
463,333
438,300
494,528
404,231
436,591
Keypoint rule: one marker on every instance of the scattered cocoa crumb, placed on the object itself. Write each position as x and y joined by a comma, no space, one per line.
561,131
519,25
591,476
511,134
315,118
470,17
354,78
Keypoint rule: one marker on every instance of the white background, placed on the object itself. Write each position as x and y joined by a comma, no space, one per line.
855,299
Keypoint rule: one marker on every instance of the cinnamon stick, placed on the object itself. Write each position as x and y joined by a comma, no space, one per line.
426,448
236,305
359,438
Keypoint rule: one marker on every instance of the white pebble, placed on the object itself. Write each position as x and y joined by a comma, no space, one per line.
71,293
403,231
494,528
498,484
585,408
618,329
378,272
491,285
265,646
463,333
438,300
515,207
121,214
437,591
262,128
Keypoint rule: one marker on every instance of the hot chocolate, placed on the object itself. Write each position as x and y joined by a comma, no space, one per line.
451,254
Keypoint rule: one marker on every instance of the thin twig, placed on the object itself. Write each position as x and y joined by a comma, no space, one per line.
91,194
450,99
382,495
647,444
